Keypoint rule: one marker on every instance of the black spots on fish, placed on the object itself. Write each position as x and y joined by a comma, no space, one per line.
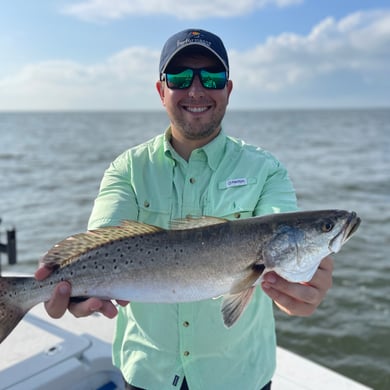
97,265
114,262
12,292
4,313
178,255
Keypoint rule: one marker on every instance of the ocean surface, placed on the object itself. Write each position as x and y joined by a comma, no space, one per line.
51,165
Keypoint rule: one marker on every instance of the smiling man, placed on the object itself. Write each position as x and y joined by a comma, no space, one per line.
194,88
195,169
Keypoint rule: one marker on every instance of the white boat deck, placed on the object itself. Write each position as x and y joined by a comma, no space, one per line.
71,353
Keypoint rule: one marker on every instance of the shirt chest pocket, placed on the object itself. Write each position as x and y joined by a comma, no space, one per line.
235,198
149,212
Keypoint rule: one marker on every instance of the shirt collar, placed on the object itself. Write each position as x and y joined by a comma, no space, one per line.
214,150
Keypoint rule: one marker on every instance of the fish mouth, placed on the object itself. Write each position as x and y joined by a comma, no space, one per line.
351,225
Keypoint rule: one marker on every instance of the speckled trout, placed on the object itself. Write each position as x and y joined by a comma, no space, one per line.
196,259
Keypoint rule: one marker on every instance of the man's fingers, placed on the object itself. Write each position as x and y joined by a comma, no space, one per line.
42,273
122,303
60,300
296,291
299,299
289,304
322,279
93,305
58,303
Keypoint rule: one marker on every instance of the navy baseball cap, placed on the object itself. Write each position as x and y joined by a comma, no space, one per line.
197,38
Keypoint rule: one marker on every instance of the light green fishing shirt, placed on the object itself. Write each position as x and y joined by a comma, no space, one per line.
157,345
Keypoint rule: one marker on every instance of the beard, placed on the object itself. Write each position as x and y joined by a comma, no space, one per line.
196,129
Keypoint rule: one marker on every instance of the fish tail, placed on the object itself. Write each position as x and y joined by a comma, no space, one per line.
11,312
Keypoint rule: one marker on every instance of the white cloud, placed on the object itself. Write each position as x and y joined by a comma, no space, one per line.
102,10
125,81
359,43
345,61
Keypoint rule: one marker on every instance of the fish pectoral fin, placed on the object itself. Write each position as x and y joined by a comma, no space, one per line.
248,281
234,305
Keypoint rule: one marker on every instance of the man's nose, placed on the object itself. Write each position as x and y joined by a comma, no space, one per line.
196,89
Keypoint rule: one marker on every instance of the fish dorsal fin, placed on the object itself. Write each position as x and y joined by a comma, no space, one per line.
192,222
72,247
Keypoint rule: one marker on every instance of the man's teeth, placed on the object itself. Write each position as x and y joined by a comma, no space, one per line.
196,109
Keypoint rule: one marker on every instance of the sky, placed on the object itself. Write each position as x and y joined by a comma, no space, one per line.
104,54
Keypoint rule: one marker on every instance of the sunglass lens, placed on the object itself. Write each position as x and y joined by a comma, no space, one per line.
212,80
180,80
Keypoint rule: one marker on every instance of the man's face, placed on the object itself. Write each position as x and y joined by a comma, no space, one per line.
195,113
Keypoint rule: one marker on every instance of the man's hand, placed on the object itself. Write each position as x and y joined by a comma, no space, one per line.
300,299
60,300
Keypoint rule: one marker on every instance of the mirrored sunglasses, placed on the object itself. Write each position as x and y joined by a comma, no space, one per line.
184,78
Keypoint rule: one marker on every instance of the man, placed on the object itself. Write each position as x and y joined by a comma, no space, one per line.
195,169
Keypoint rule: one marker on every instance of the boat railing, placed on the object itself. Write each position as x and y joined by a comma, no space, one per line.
9,247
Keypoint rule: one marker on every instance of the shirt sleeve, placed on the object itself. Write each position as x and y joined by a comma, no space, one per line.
116,200
278,194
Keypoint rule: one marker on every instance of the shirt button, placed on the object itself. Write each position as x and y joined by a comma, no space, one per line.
186,353
192,180
146,203
237,215
186,324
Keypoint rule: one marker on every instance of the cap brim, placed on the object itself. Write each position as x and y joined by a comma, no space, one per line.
187,46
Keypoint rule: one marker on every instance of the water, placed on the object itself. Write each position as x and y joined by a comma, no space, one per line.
51,166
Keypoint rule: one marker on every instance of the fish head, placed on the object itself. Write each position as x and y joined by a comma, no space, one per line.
301,240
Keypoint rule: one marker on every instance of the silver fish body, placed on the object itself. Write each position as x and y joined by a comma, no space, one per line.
198,258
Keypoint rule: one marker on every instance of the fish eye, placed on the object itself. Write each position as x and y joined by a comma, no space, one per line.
327,226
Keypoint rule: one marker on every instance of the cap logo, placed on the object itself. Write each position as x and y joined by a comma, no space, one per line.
194,37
